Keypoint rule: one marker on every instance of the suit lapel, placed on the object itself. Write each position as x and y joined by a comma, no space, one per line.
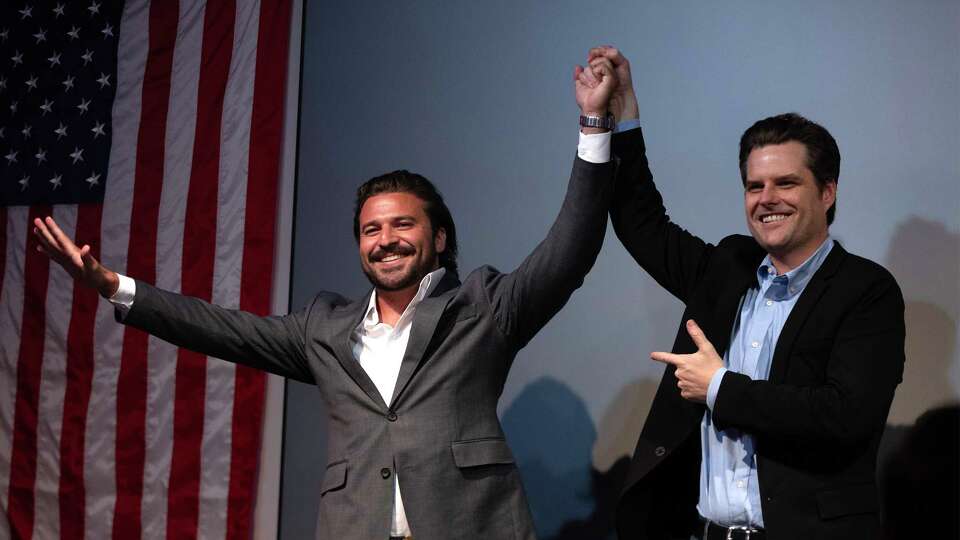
425,321
350,316
809,298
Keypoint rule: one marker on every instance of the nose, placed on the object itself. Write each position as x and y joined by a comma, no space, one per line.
387,237
769,196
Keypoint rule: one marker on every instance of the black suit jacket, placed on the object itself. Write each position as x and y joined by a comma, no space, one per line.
817,420
440,432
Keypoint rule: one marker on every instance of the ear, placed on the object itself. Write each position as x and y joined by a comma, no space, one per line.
440,240
828,194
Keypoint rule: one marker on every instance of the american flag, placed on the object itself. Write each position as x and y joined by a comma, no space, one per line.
151,131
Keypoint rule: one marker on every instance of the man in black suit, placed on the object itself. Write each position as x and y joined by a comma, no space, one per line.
768,417
412,372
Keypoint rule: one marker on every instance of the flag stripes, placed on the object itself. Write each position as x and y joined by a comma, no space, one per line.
108,432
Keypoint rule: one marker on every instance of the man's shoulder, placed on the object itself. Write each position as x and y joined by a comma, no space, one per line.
856,267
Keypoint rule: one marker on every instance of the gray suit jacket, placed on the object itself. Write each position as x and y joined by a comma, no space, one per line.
441,432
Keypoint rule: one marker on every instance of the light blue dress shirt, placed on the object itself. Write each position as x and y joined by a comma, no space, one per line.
729,488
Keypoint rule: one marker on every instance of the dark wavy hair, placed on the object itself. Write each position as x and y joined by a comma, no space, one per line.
403,181
823,155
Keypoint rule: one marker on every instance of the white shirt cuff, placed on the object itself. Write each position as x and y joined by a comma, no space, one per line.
714,387
123,298
594,147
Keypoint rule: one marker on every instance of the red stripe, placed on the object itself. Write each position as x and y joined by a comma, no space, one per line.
23,458
259,242
79,384
199,251
3,245
141,263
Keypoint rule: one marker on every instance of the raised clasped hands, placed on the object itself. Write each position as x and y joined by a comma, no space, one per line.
623,101
694,371
593,86
77,261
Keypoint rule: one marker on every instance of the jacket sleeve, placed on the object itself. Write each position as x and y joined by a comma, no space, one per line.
672,256
274,344
862,368
524,300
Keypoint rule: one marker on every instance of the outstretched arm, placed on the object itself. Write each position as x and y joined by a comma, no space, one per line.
77,261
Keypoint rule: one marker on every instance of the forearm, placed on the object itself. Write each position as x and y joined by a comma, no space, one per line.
671,255
273,344
525,299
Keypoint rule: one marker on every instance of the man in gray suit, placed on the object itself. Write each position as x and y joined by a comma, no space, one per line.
411,373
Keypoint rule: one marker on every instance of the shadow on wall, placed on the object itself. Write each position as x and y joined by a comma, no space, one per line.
557,450
924,257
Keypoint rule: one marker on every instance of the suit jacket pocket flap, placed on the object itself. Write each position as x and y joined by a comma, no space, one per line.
335,477
850,500
481,452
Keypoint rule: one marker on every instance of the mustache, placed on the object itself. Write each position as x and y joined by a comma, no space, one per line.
397,249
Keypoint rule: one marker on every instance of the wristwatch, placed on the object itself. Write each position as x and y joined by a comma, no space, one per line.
602,122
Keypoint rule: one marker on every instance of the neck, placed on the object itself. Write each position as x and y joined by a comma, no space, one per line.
391,304
785,262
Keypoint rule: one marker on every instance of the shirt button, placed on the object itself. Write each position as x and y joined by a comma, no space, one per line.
659,451
769,302
385,473
740,484
755,344
392,416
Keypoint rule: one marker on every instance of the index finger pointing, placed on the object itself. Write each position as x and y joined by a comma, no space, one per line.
665,358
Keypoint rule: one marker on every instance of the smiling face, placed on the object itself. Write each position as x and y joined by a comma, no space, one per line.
785,208
398,246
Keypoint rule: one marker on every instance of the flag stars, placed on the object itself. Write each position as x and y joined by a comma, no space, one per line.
27,128
83,106
104,80
61,131
13,107
98,130
54,60
41,35
94,8
93,179
68,83
41,155
5,34
77,155
17,58
87,57
3,83
56,181
11,157
58,11
24,182
47,106
3,130
107,31
32,82
74,33
26,12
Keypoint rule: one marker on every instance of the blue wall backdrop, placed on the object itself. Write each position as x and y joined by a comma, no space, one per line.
478,97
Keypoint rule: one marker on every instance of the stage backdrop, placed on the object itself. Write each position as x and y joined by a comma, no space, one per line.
477,96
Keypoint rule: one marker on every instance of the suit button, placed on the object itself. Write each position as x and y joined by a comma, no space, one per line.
385,473
659,451
392,416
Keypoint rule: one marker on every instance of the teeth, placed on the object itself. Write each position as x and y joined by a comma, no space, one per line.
389,258
773,217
